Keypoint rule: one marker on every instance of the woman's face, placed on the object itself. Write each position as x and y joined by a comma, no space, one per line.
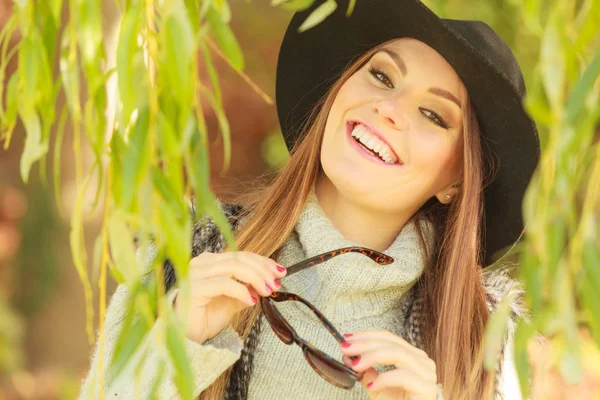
405,103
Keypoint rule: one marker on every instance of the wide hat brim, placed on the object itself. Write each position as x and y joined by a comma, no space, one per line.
309,63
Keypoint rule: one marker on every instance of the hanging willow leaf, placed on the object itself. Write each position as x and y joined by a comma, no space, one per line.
177,234
579,94
122,249
226,39
128,54
205,202
132,333
179,49
184,378
552,62
297,5
223,125
136,159
318,15
89,30
523,333
590,283
495,331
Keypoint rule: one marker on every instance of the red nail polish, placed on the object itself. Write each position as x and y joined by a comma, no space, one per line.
277,284
280,268
268,289
254,299
369,385
346,344
354,362
347,334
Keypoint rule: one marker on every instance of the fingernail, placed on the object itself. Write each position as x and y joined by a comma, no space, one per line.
346,344
277,284
268,289
254,299
354,362
280,268
369,385
347,334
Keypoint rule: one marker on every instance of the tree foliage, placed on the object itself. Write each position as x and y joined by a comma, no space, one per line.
151,155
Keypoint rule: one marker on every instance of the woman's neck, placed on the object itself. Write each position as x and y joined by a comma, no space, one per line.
357,223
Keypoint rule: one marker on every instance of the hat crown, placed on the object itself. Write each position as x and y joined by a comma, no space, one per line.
490,46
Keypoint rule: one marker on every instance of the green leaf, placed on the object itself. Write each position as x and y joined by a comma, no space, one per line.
351,6
206,202
10,117
89,30
70,75
167,137
212,72
131,336
97,258
590,283
223,125
166,190
523,332
178,233
127,49
495,332
552,63
176,345
226,39
297,5
122,248
136,158
35,148
578,95
318,15
179,50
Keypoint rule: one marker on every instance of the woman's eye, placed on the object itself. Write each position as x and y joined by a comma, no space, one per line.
434,117
381,76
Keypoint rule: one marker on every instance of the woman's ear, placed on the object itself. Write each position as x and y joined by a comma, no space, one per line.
447,195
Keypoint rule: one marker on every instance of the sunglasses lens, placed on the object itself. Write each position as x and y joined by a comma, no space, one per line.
280,328
331,371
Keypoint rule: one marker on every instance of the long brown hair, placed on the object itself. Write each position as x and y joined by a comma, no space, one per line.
451,284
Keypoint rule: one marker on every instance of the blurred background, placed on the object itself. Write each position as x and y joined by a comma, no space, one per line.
44,349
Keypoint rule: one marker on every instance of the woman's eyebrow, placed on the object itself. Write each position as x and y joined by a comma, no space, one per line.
397,59
402,67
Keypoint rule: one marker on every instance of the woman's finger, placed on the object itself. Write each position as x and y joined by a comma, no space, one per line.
222,286
362,347
383,335
384,355
406,379
259,276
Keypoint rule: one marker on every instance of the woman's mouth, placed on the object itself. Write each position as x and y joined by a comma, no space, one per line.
370,145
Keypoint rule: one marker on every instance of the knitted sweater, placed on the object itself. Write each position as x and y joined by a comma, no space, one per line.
351,290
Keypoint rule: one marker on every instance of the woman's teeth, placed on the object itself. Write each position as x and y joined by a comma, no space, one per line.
371,142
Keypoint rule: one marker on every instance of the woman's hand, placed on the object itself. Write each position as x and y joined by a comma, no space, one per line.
414,376
223,284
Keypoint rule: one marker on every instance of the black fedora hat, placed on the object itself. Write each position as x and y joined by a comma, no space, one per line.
310,62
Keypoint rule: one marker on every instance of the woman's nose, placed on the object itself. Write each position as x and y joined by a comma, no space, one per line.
390,114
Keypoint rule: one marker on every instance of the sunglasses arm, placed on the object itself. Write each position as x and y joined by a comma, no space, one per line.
285,296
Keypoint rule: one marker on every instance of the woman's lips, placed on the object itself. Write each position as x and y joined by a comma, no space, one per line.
354,144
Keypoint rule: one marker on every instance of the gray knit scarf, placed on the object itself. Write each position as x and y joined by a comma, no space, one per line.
206,237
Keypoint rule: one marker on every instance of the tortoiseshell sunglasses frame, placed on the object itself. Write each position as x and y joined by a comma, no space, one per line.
267,303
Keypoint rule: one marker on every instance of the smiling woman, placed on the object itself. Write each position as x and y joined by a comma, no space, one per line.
391,129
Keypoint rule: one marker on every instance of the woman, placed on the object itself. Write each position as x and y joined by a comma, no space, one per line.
407,137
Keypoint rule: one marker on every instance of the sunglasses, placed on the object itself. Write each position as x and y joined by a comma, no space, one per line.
326,366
